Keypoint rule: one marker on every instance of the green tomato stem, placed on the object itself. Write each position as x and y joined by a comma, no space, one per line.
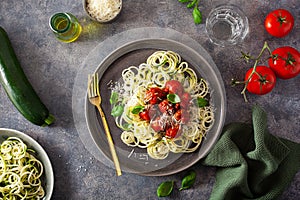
254,69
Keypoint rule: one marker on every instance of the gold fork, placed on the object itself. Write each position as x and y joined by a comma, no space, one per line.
95,99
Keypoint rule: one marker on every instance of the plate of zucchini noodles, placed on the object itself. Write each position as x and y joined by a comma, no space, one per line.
164,103
25,169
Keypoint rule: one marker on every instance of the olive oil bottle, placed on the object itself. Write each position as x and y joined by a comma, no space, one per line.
65,27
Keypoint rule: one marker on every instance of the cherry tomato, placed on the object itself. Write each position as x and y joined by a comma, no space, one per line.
144,115
166,107
262,81
166,90
177,115
177,106
174,86
172,131
279,23
182,116
157,124
154,95
285,62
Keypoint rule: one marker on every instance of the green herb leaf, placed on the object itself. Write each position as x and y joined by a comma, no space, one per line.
137,109
114,98
202,102
126,126
197,15
183,1
188,180
191,4
165,189
117,110
173,98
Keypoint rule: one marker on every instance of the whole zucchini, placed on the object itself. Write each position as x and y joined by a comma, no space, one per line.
17,86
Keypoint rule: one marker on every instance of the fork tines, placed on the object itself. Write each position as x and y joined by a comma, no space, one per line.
93,85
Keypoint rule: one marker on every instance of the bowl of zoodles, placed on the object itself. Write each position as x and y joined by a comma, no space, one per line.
165,105
26,171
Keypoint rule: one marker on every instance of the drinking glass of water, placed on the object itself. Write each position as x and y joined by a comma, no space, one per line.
227,25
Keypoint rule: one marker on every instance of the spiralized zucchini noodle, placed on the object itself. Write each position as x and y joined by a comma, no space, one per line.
20,171
160,67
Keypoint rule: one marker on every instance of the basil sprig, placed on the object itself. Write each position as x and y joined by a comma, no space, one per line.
197,15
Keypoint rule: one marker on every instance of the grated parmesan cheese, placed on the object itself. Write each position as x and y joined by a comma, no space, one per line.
103,10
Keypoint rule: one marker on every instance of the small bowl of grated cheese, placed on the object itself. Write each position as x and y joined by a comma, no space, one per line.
102,10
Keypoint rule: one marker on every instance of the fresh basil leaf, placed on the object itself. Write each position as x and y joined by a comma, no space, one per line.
201,102
114,98
165,189
126,126
117,110
137,109
183,1
191,4
173,98
188,181
197,15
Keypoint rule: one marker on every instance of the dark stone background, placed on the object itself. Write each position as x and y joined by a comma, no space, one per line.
51,67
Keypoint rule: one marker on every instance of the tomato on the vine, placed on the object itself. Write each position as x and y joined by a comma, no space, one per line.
279,22
285,62
260,82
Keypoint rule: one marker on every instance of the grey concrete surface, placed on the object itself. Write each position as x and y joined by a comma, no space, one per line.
51,67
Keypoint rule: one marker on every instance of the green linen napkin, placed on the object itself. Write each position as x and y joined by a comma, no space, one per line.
251,163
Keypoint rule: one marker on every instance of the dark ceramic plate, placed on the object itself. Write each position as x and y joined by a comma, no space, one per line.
136,160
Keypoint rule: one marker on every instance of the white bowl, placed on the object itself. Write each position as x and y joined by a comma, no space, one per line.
112,17
41,155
